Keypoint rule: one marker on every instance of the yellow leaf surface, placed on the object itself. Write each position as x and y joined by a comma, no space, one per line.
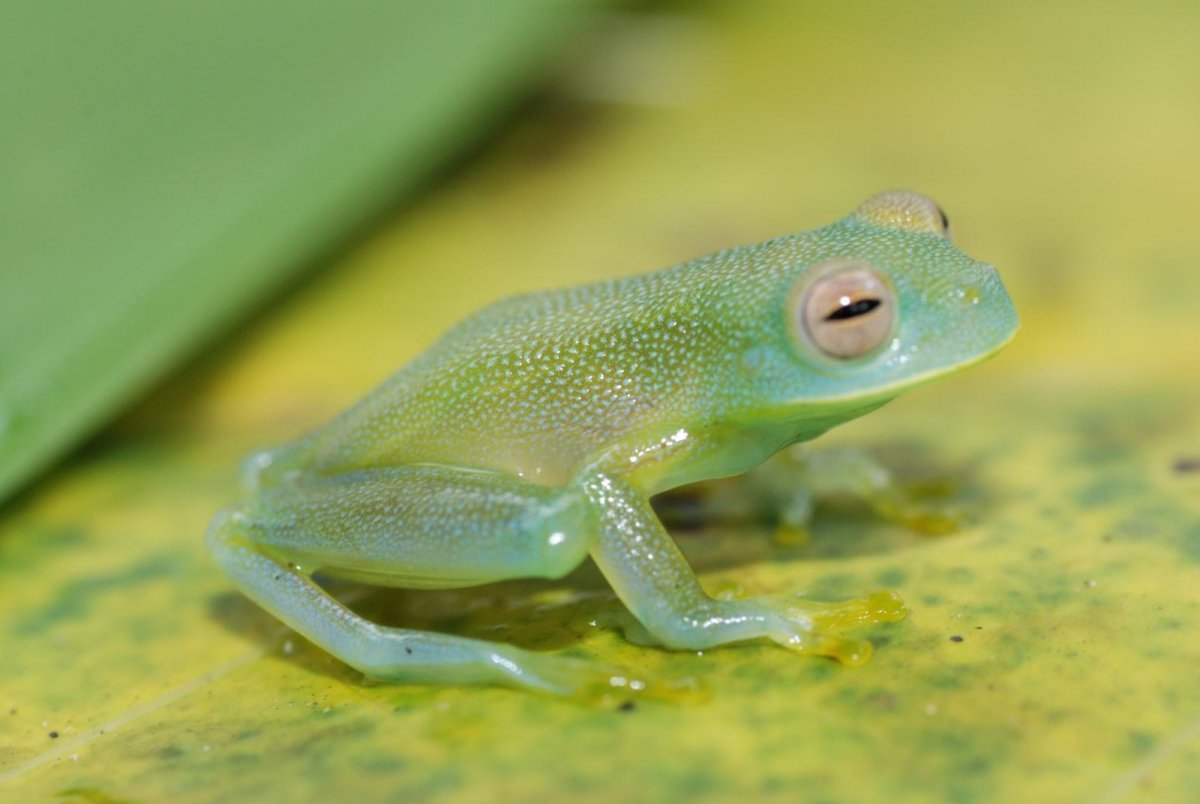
1060,138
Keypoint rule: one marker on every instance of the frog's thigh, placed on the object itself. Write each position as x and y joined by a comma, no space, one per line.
259,547
422,526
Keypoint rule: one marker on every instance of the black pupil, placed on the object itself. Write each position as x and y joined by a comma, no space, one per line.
860,307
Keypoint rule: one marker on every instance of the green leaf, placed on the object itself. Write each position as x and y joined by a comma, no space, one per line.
166,167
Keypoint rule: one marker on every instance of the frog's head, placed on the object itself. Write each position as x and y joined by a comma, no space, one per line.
882,301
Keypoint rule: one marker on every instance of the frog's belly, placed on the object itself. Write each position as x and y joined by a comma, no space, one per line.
544,461
539,425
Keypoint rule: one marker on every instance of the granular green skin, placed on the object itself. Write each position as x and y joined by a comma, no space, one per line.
533,434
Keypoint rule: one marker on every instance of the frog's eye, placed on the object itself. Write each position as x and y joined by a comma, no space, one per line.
906,210
848,312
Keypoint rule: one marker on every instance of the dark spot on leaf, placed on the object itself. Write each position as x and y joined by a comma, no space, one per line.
881,700
1186,466
74,600
627,706
1141,741
53,735
956,638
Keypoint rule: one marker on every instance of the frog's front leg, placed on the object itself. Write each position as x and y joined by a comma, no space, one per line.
414,527
653,579
848,471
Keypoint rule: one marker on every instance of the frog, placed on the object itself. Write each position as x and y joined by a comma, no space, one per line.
533,434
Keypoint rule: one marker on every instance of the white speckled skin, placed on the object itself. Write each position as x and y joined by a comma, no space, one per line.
533,433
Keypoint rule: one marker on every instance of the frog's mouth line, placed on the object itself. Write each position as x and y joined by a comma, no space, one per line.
896,388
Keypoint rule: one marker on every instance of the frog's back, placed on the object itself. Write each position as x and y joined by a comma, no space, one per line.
534,384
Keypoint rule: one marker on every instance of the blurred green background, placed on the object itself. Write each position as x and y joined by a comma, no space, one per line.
222,224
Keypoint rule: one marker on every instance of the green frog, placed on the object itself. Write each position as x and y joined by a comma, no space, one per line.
533,434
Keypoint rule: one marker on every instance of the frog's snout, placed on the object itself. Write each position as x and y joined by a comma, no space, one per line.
990,301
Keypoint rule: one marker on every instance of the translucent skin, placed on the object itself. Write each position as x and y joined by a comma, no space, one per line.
533,433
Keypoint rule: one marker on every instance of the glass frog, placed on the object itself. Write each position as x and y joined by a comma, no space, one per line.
533,434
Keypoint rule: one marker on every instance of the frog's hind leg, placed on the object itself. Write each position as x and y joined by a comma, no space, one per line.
415,523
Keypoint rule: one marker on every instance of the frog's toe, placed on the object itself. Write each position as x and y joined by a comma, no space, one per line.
814,628
878,607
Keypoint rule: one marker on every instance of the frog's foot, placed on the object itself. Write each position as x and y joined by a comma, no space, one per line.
655,583
813,628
